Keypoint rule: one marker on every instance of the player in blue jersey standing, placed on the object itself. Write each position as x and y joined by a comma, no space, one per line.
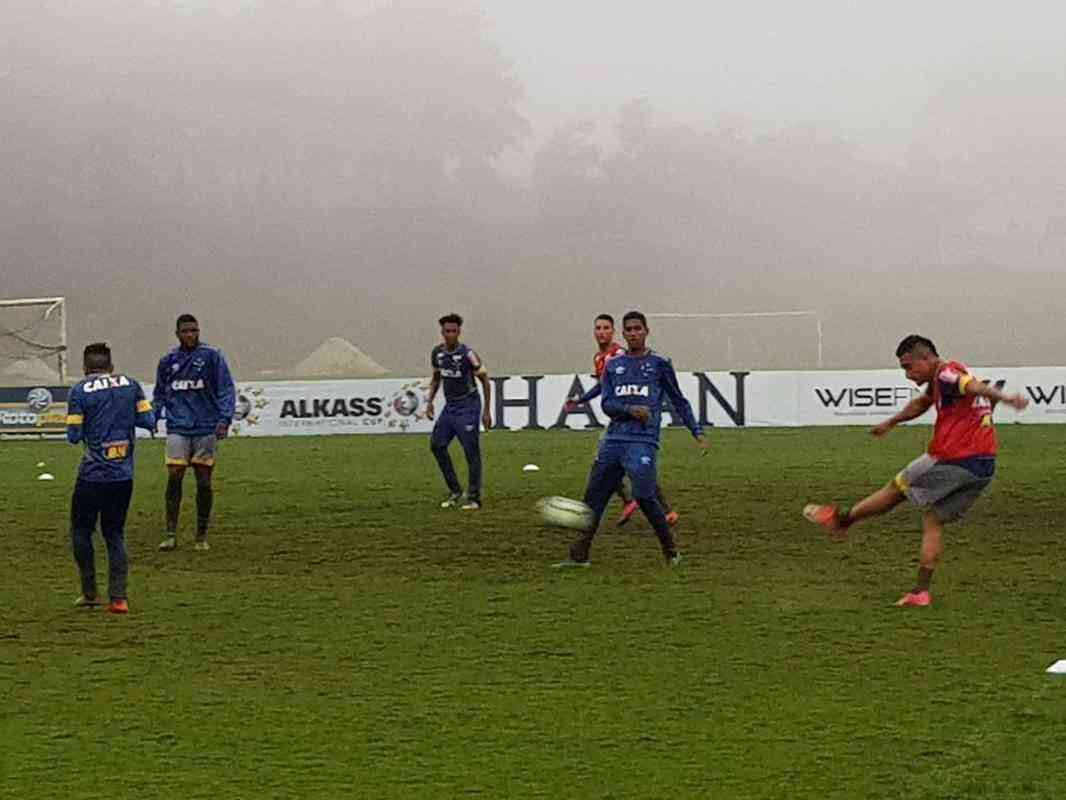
102,414
455,367
633,386
194,393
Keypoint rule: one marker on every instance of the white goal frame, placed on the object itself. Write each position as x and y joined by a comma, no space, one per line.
748,315
52,305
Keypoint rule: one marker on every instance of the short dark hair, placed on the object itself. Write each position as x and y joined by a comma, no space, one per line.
451,318
914,342
183,319
96,356
606,318
635,315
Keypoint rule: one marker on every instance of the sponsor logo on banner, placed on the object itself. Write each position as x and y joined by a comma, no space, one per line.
248,408
406,406
1050,399
864,400
37,410
39,399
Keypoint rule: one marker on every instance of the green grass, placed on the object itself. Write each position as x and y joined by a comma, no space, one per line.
346,638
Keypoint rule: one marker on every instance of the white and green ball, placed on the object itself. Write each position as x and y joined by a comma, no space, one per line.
562,512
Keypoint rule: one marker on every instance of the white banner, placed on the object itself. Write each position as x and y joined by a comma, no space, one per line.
536,402
863,397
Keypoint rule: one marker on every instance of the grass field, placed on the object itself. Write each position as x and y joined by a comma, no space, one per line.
346,638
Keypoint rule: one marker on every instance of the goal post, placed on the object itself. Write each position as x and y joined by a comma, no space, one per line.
814,316
33,338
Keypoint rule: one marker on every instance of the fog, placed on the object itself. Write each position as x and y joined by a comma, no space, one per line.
291,171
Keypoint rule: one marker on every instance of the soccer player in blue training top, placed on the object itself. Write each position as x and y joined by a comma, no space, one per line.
194,392
633,386
456,366
603,333
102,414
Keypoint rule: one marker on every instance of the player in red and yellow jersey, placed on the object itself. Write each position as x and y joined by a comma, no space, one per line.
608,348
958,465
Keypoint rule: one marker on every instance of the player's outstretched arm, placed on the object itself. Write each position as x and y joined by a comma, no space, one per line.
591,394
1017,401
914,409
587,397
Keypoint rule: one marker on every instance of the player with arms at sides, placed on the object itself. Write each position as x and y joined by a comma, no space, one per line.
194,393
102,413
603,334
458,368
949,477
633,387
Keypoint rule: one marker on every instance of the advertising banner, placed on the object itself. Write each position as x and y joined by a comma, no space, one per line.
861,397
537,402
526,402
33,410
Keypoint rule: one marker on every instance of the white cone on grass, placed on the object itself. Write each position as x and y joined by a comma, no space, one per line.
1058,668
530,468
46,476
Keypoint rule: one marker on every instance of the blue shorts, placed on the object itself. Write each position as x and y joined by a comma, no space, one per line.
636,459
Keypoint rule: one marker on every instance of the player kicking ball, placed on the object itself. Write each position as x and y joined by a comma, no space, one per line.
608,348
958,466
633,386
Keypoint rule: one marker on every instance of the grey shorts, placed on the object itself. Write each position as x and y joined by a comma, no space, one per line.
186,450
947,489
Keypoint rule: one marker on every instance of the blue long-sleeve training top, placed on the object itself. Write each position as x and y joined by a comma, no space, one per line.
642,381
194,390
102,412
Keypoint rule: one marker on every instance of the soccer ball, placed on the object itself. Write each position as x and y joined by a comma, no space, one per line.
562,512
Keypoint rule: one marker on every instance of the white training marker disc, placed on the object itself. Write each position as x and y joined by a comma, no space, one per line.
1058,668
530,468
40,464
46,476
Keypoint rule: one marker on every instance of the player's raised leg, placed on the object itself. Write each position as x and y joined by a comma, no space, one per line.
837,519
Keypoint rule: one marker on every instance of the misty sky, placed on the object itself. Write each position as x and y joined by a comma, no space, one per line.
295,170
865,68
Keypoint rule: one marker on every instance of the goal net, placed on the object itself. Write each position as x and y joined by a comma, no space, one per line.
33,341
741,340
